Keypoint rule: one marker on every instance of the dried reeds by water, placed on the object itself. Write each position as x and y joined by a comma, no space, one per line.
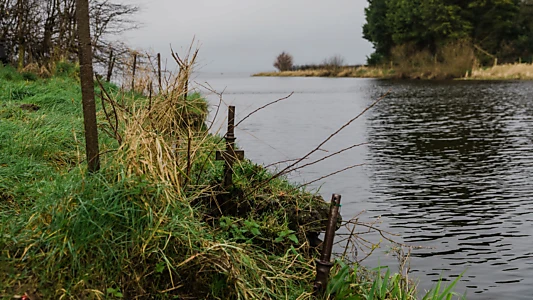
517,71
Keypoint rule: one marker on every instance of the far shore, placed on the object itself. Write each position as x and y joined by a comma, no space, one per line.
518,71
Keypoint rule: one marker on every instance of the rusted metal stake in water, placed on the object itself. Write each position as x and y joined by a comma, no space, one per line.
323,265
230,155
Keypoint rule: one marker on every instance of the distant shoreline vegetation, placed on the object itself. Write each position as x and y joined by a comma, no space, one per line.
452,60
345,71
517,71
469,40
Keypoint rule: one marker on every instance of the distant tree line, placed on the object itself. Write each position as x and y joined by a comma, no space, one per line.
45,30
495,29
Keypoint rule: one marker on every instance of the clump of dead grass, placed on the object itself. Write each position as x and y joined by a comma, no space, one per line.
503,72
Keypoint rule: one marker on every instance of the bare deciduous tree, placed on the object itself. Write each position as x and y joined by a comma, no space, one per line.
43,30
283,62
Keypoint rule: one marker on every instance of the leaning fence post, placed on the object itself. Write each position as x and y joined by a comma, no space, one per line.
323,265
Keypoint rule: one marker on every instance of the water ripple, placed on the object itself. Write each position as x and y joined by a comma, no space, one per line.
454,162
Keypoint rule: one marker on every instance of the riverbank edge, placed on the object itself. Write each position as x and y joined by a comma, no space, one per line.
519,71
58,223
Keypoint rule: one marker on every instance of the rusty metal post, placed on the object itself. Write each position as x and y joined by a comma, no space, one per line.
323,265
230,155
230,147
159,71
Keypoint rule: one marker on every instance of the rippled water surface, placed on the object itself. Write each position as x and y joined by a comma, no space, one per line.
448,165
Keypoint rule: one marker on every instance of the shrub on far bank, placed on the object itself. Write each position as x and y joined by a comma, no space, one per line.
335,62
284,62
451,60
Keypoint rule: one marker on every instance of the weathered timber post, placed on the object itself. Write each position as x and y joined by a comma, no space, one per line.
133,75
159,71
230,155
87,85
110,66
323,265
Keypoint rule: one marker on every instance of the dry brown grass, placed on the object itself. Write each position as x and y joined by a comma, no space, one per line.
503,72
452,60
160,139
35,68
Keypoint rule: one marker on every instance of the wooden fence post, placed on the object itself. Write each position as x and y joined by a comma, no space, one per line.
110,66
87,85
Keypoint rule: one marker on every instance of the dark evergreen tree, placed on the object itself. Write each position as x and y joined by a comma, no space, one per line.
498,28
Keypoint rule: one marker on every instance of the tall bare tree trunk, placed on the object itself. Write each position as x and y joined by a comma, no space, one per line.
87,85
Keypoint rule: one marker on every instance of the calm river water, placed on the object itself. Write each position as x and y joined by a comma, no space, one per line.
448,165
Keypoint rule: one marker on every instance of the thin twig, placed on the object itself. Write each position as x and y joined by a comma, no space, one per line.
331,136
326,157
260,108
289,167
330,174
114,128
280,162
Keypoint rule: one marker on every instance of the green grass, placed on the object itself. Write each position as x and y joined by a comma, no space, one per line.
144,226
356,282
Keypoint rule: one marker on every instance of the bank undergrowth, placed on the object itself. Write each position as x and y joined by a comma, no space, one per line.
154,222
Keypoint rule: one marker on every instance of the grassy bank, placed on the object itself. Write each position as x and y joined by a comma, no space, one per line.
154,222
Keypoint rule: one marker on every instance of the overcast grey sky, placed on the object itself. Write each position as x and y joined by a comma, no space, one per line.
247,35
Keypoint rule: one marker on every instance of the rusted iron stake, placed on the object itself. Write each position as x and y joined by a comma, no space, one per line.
323,265
159,71
230,155
230,144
